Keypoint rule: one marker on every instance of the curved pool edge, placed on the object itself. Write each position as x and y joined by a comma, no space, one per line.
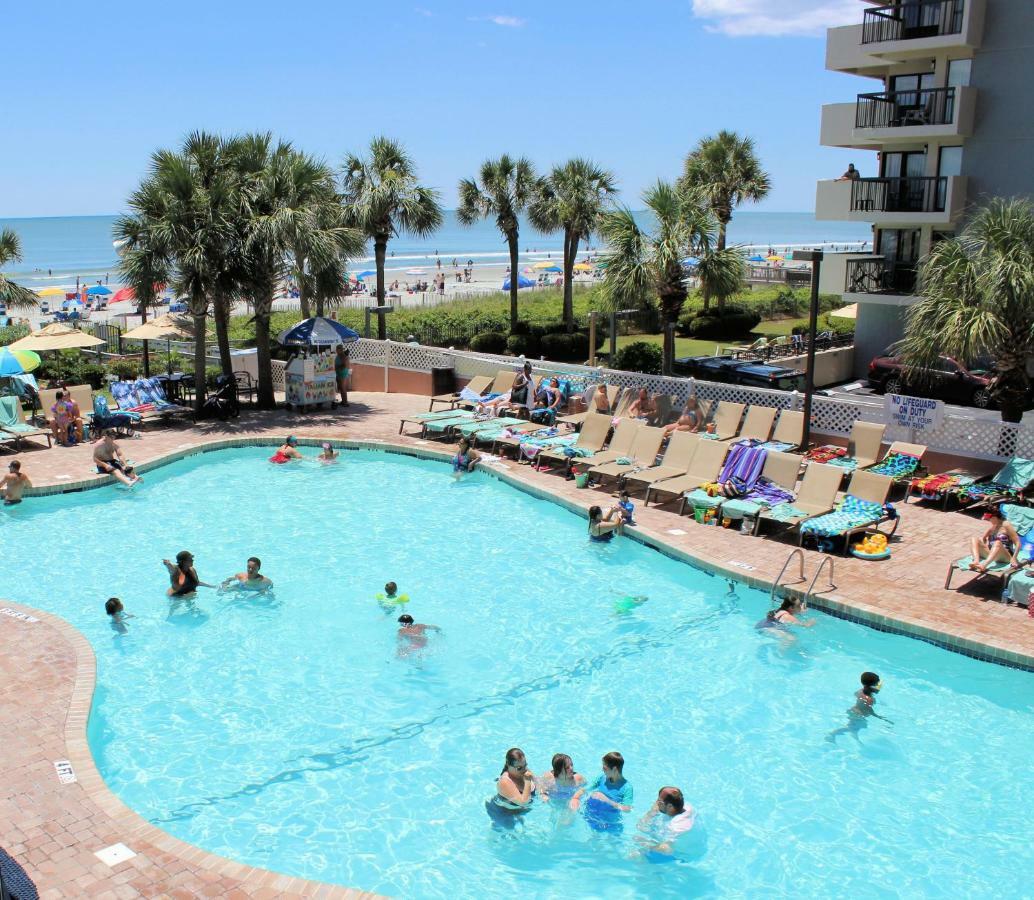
162,861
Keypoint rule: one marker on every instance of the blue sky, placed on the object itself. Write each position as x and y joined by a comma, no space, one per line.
93,88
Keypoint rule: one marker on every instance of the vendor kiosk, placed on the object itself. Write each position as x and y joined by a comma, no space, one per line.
309,381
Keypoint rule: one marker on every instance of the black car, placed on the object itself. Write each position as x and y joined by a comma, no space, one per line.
749,373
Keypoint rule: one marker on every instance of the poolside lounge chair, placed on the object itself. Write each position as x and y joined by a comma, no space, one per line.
901,462
472,429
777,484
789,432
1012,482
642,455
146,398
590,440
863,448
13,424
422,418
478,384
576,419
508,433
862,508
1022,520
513,437
624,402
677,457
741,469
704,467
816,496
727,420
620,445
757,425
502,383
442,427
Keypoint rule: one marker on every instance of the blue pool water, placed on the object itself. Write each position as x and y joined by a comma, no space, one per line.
288,732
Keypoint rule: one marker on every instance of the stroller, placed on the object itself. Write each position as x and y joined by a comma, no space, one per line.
223,403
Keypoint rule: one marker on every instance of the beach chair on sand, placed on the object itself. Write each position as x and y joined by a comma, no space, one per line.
590,440
675,462
727,420
620,446
575,420
642,455
862,508
863,448
14,426
704,467
757,425
789,432
816,497
901,463
478,384
1022,520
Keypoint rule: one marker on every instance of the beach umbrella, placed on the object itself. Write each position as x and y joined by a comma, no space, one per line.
691,261
583,267
98,289
317,332
846,312
164,328
774,258
122,295
366,274
415,272
56,336
550,269
757,257
544,264
18,362
72,304
522,282
51,292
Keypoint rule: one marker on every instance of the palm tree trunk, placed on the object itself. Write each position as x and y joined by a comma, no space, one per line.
671,307
570,253
199,351
303,292
511,239
380,249
263,307
222,333
722,224
147,355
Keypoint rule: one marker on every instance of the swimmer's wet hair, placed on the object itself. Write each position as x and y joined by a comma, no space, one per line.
594,513
870,679
673,796
390,587
112,606
614,760
560,761
405,619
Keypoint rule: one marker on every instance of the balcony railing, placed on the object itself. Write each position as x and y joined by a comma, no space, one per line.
880,276
915,195
912,19
900,109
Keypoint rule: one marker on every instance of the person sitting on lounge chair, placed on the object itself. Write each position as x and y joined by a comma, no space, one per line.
66,422
689,420
547,402
492,405
1000,543
643,407
602,400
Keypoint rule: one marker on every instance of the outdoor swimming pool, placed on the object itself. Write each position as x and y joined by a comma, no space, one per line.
287,732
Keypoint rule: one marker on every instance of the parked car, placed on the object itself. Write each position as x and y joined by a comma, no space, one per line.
178,306
749,373
948,380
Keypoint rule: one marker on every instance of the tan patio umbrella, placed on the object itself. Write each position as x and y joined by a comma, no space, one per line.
164,328
846,312
56,336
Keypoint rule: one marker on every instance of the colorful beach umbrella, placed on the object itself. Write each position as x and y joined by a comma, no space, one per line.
123,294
550,269
522,282
544,264
757,257
98,290
51,292
317,332
366,274
774,258
583,267
18,362
72,304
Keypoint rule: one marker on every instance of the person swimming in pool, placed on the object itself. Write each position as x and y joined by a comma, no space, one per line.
249,580
329,454
562,784
465,459
786,615
183,576
412,636
863,709
610,795
117,615
515,791
286,451
599,529
669,819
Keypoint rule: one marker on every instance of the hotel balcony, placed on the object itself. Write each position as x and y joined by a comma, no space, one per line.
911,30
892,202
895,282
878,121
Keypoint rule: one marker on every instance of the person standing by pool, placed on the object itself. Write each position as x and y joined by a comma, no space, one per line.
562,784
609,795
465,459
665,822
183,575
13,483
515,790
342,372
108,458
249,580
863,709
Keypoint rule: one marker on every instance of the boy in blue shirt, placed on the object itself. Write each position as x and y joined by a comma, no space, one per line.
608,796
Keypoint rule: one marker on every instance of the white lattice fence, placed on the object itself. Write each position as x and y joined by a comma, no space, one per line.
279,381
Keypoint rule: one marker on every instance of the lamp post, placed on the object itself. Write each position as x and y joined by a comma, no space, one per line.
815,258
614,316
380,311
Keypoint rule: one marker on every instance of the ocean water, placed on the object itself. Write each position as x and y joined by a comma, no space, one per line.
56,250
297,731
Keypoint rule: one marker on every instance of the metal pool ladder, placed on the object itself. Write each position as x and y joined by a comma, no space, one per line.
799,553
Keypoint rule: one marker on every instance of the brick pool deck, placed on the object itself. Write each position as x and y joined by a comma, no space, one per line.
53,829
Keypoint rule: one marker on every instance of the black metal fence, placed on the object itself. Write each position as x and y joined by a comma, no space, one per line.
912,19
108,332
879,276
916,195
901,109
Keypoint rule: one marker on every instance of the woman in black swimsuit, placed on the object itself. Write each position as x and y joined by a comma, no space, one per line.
183,575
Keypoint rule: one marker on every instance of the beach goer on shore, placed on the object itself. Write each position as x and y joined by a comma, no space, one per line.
13,483
183,575
342,372
286,451
465,459
864,708
786,615
562,785
515,791
669,819
1000,543
689,420
250,579
117,615
108,458
852,174
600,530
610,795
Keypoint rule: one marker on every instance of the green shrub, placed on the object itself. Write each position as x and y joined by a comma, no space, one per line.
639,356
125,369
518,344
735,322
836,324
488,342
565,347
73,367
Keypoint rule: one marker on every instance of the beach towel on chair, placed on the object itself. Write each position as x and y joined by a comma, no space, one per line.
850,513
896,465
786,512
103,417
1010,481
828,454
127,398
745,464
932,487
10,420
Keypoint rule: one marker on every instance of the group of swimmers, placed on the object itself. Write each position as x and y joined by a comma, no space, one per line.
289,451
412,635
603,803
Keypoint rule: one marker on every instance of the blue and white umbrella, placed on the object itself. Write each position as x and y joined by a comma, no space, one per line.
317,332
522,282
691,262
72,304
366,274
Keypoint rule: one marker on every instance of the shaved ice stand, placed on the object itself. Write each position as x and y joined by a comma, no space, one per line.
309,381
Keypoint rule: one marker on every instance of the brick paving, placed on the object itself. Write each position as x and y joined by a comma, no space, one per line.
47,667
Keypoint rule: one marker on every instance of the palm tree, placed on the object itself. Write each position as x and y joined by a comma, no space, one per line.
318,235
571,198
382,197
641,266
13,294
143,264
507,187
328,285
726,168
721,274
977,294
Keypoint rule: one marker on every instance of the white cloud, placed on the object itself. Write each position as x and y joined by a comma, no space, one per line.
742,18
504,21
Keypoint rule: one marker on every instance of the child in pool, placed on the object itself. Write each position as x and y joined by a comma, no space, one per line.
863,709
391,598
329,454
609,796
623,510
114,608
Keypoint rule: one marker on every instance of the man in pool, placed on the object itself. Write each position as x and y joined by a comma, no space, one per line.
665,822
609,796
412,636
250,580
13,483
863,709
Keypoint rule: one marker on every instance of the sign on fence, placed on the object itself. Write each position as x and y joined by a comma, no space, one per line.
913,413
